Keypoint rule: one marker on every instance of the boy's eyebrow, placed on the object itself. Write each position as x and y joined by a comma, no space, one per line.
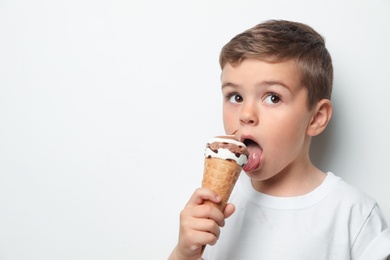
261,84
272,83
229,84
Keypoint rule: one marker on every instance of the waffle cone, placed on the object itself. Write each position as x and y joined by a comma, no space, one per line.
220,176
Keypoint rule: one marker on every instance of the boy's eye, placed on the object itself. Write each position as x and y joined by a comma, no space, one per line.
234,98
272,99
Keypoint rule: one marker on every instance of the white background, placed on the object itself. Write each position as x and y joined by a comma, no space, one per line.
106,105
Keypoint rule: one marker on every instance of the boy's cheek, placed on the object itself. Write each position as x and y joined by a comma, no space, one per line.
229,125
226,123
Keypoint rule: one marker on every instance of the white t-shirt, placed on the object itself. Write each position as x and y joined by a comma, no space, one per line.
334,221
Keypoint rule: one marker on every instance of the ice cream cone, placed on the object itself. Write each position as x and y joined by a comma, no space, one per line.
220,176
224,158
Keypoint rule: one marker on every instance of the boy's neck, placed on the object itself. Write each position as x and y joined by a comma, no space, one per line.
290,183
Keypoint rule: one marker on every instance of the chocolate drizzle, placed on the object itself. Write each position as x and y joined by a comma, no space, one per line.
237,150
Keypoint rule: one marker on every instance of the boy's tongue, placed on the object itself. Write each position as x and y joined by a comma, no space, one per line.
254,157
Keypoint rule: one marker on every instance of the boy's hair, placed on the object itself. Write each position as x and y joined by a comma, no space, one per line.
277,41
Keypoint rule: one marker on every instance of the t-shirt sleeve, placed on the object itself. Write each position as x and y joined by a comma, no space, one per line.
373,241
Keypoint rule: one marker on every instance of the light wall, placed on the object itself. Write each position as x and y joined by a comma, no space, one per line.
105,108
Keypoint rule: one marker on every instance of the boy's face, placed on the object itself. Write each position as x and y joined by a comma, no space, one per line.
267,104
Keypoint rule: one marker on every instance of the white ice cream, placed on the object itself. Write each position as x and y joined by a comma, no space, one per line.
226,154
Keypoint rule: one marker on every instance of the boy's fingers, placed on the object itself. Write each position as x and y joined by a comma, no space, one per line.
229,210
207,225
210,212
202,238
202,194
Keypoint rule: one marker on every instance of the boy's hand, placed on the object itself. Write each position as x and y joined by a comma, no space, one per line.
199,224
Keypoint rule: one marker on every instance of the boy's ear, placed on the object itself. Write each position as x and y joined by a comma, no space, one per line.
322,112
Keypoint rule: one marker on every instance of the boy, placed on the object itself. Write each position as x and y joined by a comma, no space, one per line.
277,82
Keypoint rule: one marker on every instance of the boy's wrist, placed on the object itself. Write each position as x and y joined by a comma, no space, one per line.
176,255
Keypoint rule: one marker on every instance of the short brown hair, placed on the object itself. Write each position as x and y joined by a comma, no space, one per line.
279,40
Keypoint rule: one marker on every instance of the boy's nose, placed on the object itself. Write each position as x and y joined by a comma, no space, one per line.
249,116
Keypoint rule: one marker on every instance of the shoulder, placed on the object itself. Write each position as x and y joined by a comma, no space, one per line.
349,203
360,208
358,211
347,193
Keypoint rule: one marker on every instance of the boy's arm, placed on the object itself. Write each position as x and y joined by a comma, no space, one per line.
199,225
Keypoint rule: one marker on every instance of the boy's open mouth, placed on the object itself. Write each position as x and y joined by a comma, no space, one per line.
255,153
